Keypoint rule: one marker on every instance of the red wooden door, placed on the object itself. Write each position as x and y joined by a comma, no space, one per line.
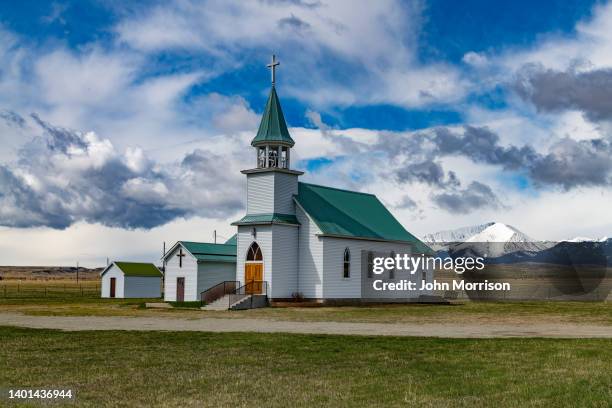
180,289
113,285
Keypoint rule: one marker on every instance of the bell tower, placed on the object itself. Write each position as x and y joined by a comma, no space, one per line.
273,141
270,219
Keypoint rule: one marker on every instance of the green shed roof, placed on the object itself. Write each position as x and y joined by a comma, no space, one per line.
354,215
273,127
138,269
233,240
207,252
268,218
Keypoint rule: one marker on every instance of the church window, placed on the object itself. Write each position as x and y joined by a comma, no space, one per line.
346,272
254,253
370,264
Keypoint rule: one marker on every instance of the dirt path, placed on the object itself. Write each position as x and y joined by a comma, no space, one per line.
69,323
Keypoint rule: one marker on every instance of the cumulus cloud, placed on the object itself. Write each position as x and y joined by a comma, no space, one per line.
12,118
63,176
474,197
554,91
378,46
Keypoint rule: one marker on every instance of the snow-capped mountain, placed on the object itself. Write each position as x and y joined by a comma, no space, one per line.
489,232
493,239
456,235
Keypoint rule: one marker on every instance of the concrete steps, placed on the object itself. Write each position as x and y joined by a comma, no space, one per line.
246,302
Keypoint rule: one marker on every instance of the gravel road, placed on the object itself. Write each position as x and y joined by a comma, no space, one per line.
487,330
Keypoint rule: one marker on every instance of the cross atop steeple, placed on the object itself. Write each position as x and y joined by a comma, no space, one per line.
272,67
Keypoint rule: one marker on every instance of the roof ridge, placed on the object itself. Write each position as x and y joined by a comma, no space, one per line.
337,189
206,243
139,263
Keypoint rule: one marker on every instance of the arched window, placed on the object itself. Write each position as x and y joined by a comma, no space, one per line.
346,271
370,264
392,270
254,253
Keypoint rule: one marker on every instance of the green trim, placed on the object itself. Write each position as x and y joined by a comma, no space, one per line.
138,269
268,218
350,214
208,252
215,258
273,127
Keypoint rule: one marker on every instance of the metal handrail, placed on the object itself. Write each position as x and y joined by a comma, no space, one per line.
218,291
248,289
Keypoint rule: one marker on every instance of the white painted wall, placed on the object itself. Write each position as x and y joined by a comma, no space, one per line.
142,287
212,273
260,193
113,272
264,240
285,187
285,256
270,192
335,286
189,271
310,267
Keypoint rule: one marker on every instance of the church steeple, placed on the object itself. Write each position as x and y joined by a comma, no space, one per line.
273,140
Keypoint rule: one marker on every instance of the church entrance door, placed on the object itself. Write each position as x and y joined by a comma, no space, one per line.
253,277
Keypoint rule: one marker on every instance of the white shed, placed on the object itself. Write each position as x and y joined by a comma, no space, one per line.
131,280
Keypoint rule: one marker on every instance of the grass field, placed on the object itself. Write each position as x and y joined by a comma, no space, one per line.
53,288
236,369
485,312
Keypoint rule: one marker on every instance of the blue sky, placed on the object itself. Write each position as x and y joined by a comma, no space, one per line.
449,31
454,113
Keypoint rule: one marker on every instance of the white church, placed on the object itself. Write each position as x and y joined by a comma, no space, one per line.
296,239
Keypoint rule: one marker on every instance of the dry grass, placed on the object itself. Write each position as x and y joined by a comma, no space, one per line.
278,370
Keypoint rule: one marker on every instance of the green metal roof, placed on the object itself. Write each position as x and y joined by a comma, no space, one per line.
138,269
273,127
233,240
354,215
207,252
269,218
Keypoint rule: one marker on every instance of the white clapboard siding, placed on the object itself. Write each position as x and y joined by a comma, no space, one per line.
285,187
189,271
142,287
285,256
213,273
334,284
112,272
260,193
271,192
310,268
245,239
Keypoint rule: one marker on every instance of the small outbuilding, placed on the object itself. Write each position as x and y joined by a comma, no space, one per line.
131,280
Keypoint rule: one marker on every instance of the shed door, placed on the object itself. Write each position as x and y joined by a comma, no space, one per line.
180,289
113,285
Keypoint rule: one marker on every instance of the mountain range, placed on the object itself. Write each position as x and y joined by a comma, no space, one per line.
502,243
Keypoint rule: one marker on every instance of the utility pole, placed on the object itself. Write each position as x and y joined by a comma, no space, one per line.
164,258
77,271
215,236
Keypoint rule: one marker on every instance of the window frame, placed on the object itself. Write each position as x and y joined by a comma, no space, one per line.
370,265
346,263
